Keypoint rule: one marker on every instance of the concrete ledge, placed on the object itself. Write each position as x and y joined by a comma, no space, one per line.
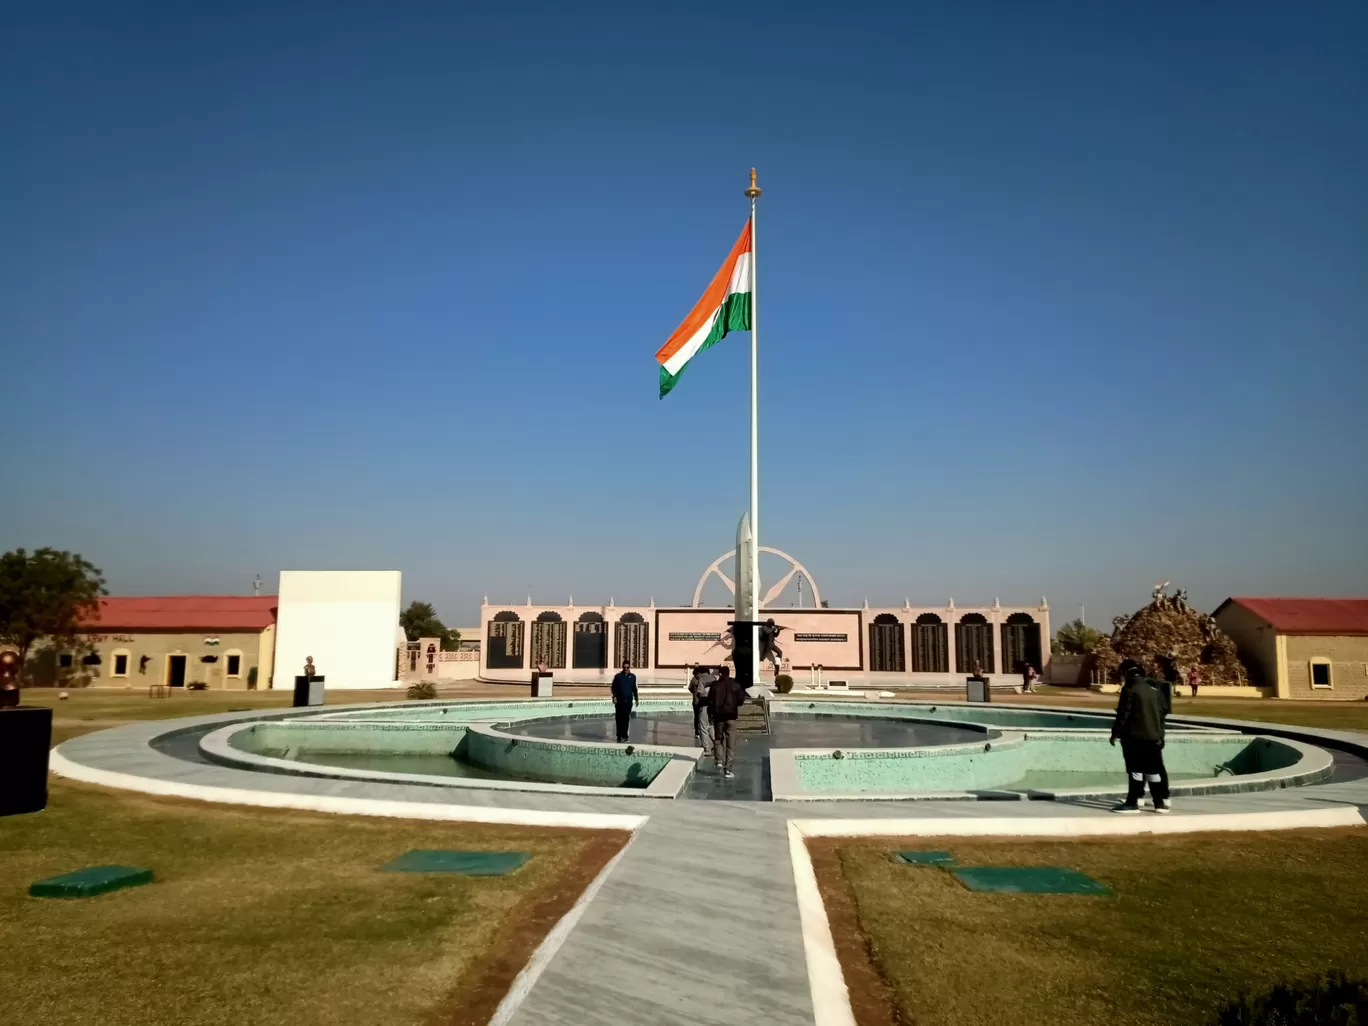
217,748
1011,754
64,767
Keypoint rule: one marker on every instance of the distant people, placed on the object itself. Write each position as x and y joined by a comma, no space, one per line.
625,699
724,701
1194,679
1139,726
1028,678
700,684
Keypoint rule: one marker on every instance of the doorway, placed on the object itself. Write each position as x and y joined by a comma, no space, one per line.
175,671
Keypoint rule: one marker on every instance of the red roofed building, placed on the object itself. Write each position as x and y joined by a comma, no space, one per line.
221,641
1304,647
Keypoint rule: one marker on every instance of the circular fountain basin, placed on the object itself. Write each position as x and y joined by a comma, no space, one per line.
812,750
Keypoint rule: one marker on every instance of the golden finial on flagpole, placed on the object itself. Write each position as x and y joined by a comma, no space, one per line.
754,189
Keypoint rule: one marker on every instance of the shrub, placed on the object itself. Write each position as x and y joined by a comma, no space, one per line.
422,689
783,683
1331,999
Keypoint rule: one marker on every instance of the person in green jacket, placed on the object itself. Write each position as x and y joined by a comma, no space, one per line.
1140,714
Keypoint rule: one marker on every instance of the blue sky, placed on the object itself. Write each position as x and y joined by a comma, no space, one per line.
1056,298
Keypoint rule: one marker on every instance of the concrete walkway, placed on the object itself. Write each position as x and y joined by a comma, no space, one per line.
698,922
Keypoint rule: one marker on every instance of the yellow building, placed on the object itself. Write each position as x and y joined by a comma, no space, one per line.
220,641
1314,648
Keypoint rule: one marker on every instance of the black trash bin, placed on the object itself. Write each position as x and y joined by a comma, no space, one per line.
308,691
25,739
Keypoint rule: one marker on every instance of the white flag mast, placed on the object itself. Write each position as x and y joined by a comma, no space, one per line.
753,614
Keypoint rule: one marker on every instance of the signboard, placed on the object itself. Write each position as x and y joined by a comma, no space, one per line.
831,638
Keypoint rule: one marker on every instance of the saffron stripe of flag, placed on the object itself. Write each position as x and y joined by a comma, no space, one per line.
725,307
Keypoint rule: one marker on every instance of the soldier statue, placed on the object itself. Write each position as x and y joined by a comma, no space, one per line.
769,643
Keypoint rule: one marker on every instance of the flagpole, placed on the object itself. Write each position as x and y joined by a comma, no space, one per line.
753,193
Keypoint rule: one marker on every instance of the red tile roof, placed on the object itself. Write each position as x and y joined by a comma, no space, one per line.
186,613
1308,615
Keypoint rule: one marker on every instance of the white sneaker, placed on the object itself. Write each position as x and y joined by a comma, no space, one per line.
1162,807
728,774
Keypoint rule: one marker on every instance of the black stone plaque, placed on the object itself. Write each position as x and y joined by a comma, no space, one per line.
25,737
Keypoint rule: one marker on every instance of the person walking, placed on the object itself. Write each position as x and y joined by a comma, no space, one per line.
1028,678
1194,678
1139,726
699,686
625,698
724,699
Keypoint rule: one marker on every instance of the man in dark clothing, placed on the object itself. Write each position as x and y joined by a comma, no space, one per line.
1168,670
699,686
724,699
625,697
1139,726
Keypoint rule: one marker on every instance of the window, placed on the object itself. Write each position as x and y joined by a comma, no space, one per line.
234,661
120,665
64,660
1320,673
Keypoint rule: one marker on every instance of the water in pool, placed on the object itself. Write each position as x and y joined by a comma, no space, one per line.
750,757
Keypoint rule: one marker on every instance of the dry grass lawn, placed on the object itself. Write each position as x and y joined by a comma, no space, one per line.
1195,920
269,917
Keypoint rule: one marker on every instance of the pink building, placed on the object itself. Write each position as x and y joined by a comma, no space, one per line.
893,644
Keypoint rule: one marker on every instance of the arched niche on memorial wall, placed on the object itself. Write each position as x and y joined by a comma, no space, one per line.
974,644
1020,643
548,640
504,643
590,650
887,646
930,644
632,641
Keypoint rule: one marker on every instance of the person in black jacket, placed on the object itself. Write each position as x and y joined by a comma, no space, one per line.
625,699
725,698
1140,714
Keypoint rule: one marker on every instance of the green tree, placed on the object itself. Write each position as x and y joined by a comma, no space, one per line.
420,620
45,594
1076,638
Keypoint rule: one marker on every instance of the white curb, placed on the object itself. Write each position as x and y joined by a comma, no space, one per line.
64,767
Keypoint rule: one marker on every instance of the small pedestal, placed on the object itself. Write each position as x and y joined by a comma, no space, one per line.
25,737
308,691
541,685
977,689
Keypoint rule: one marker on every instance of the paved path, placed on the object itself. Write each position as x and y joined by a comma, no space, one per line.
698,922
697,925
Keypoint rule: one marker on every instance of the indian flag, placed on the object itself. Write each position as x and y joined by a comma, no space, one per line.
725,306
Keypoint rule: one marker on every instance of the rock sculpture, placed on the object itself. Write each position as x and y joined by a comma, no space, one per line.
1169,626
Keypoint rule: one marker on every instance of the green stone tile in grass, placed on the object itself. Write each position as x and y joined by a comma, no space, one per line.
467,863
924,858
1029,880
86,883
